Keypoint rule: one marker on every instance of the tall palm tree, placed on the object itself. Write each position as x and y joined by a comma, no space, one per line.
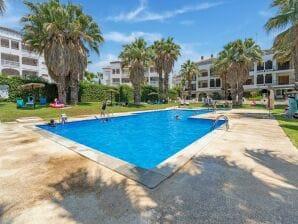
158,58
2,7
136,56
286,43
171,54
64,34
188,70
236,59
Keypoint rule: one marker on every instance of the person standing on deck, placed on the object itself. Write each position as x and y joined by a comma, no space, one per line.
103,108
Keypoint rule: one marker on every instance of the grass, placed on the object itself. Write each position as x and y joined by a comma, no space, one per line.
290,126
8,112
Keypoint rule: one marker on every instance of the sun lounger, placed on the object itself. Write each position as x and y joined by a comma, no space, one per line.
20,103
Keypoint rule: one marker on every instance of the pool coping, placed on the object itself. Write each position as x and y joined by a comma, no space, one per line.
150,178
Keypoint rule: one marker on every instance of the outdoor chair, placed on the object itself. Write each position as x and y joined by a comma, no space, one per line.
20,103
43,101
30,102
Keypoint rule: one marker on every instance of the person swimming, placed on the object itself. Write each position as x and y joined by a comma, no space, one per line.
52,123
177,117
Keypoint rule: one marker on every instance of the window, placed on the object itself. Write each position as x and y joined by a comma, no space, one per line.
212,83
9,71
194,78
268,64
27,73
113,71
5,43
260,79
204,74
283,80
117,71
154,79
29,61
193,86
203,84
125,80
260,66
15,45
10,57
116,80
284,66
217,83
268,78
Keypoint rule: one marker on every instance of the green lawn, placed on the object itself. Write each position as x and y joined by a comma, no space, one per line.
8,112
290,126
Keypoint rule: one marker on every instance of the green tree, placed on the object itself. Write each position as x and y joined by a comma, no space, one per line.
286,43
89,76
236,59
166,53
136,56
188,70
2,7
64,34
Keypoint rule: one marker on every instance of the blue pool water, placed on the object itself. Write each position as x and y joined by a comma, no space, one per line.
145,139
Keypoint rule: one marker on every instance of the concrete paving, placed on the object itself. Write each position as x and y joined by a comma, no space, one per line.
247,175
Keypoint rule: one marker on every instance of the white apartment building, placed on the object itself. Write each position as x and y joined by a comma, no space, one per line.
114,75
16,59
269,72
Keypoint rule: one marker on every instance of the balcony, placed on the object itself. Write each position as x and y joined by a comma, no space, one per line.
8,63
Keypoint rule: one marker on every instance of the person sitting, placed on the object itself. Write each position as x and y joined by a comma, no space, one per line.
52,123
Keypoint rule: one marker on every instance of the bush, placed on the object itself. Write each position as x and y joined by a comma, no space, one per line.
173,94
91,92
125,94
14,83
146,90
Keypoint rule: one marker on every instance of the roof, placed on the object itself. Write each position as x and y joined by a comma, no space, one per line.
206,61
9,30
114,62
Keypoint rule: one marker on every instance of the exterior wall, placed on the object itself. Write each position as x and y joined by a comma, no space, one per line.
16,59
282,78
114,75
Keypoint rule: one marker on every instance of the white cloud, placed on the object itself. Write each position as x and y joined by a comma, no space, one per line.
124,38
103,61
140,14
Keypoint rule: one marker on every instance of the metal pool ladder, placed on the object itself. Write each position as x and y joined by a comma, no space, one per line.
217,119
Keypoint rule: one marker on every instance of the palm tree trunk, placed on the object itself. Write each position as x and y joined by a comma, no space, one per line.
166,87
296,59
61,89
137,94
234,93
189,88
160,84
74,86
240,93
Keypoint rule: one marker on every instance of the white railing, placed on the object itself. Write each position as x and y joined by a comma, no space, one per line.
10,63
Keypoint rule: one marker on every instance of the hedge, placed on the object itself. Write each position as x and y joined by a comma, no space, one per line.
14,83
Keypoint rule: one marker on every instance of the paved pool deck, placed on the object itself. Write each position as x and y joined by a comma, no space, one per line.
247,175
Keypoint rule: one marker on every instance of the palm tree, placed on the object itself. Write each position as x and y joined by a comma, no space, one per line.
188,70
236,59
136,56
158,50
2,7
171,54
286,43
63,33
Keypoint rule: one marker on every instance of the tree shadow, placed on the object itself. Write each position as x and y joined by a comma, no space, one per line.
289,126
209,189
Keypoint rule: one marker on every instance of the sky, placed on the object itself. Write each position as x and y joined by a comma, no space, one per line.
200,27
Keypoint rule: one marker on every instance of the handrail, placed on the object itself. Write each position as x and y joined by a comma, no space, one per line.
217,119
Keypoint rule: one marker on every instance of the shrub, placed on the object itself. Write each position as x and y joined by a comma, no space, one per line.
14,83
146,90
125,94
91,92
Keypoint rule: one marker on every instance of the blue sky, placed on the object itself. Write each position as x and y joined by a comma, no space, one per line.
201,27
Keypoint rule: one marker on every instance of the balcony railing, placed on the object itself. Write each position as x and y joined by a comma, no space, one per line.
10,63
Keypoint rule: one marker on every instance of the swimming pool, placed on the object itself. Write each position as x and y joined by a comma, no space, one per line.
143,139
